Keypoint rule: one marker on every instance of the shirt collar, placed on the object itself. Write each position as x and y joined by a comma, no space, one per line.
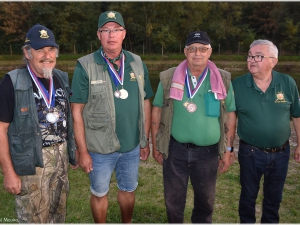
275,79
99,59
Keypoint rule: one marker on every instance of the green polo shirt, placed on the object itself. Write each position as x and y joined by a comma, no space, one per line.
127,110
264,118
197,127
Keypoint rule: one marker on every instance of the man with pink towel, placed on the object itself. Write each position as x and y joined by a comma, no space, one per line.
193,128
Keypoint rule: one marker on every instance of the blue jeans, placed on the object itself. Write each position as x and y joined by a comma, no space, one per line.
200,165
253,164
125,164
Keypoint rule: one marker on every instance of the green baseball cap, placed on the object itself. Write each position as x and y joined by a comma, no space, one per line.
110,16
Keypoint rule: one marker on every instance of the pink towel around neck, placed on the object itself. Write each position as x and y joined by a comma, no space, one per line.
178,81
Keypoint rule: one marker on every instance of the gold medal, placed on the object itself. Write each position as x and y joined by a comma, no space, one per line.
185,104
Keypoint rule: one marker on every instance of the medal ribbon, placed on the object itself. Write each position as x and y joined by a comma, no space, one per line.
47,96
191,92
117,77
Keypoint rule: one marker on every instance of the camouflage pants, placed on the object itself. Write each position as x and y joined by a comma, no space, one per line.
43,196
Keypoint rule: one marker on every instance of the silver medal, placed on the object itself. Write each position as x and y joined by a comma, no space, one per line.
117,94
124,94
52,117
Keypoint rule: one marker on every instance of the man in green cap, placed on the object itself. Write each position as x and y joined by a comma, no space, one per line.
111,111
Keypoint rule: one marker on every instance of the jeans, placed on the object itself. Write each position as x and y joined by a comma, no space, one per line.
126,165
253,164
200,165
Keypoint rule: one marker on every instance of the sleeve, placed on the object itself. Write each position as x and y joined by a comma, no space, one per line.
230,101
7,100
80,85
295,107
147,87
159,99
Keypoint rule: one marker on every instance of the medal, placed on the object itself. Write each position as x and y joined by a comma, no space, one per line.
124,94
52,117
185,104
117,94
191,107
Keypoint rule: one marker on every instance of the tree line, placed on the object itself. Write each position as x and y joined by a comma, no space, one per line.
155,27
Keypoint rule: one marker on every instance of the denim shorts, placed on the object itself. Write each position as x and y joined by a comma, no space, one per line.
126,165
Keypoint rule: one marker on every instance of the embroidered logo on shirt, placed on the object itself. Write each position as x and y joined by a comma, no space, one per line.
132,76
280,97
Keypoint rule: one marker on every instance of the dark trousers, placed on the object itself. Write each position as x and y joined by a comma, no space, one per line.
254,164
200,165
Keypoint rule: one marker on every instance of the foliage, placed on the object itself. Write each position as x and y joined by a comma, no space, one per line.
232,26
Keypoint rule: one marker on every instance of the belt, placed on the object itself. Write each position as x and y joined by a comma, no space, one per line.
187,145
190,145
269,150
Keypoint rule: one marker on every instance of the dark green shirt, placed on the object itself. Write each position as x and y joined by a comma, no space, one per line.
127,110
264,118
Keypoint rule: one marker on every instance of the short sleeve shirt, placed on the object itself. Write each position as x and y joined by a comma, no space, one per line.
52,120
264,118
198,127
127,110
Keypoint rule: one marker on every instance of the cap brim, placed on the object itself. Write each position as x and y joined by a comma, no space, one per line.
43,44
197,41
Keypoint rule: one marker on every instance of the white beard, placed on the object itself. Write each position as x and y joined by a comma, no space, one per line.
48,73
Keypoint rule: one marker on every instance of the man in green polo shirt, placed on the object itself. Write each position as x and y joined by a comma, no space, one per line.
188,128
265,100
111,111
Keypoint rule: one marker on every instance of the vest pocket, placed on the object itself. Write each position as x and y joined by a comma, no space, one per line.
22,154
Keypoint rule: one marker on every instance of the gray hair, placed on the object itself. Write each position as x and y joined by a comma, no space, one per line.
28,48
272,48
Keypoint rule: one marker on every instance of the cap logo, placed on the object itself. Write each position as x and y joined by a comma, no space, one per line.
111,15
197,35
43,34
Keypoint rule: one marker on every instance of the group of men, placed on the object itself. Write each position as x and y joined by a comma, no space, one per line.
103,122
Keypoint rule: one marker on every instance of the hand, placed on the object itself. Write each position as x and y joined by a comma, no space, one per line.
297,154
157,156
144,152
85,162
224,163
12,183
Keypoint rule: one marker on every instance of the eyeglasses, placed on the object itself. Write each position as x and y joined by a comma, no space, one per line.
193,49
257,58
115,31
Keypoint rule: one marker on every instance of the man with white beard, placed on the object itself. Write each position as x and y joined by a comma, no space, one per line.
36,131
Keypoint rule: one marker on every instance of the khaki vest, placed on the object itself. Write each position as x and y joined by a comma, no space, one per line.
99,112
164,132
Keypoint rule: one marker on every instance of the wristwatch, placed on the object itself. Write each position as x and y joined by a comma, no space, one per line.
230,149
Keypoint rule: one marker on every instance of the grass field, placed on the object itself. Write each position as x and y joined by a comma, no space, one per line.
149,207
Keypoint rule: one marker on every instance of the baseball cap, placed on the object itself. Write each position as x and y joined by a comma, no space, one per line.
197,37
39,37
110,16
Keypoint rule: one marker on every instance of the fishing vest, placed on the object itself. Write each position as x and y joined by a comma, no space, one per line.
24,134
99,112
164,131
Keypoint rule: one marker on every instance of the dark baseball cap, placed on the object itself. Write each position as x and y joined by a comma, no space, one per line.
197,37
110,16
39,37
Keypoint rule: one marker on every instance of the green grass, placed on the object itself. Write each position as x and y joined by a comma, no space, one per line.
150,207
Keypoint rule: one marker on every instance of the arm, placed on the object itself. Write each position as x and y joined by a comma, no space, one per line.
12,182
156,115
230,133
84,159
146,151
296,122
